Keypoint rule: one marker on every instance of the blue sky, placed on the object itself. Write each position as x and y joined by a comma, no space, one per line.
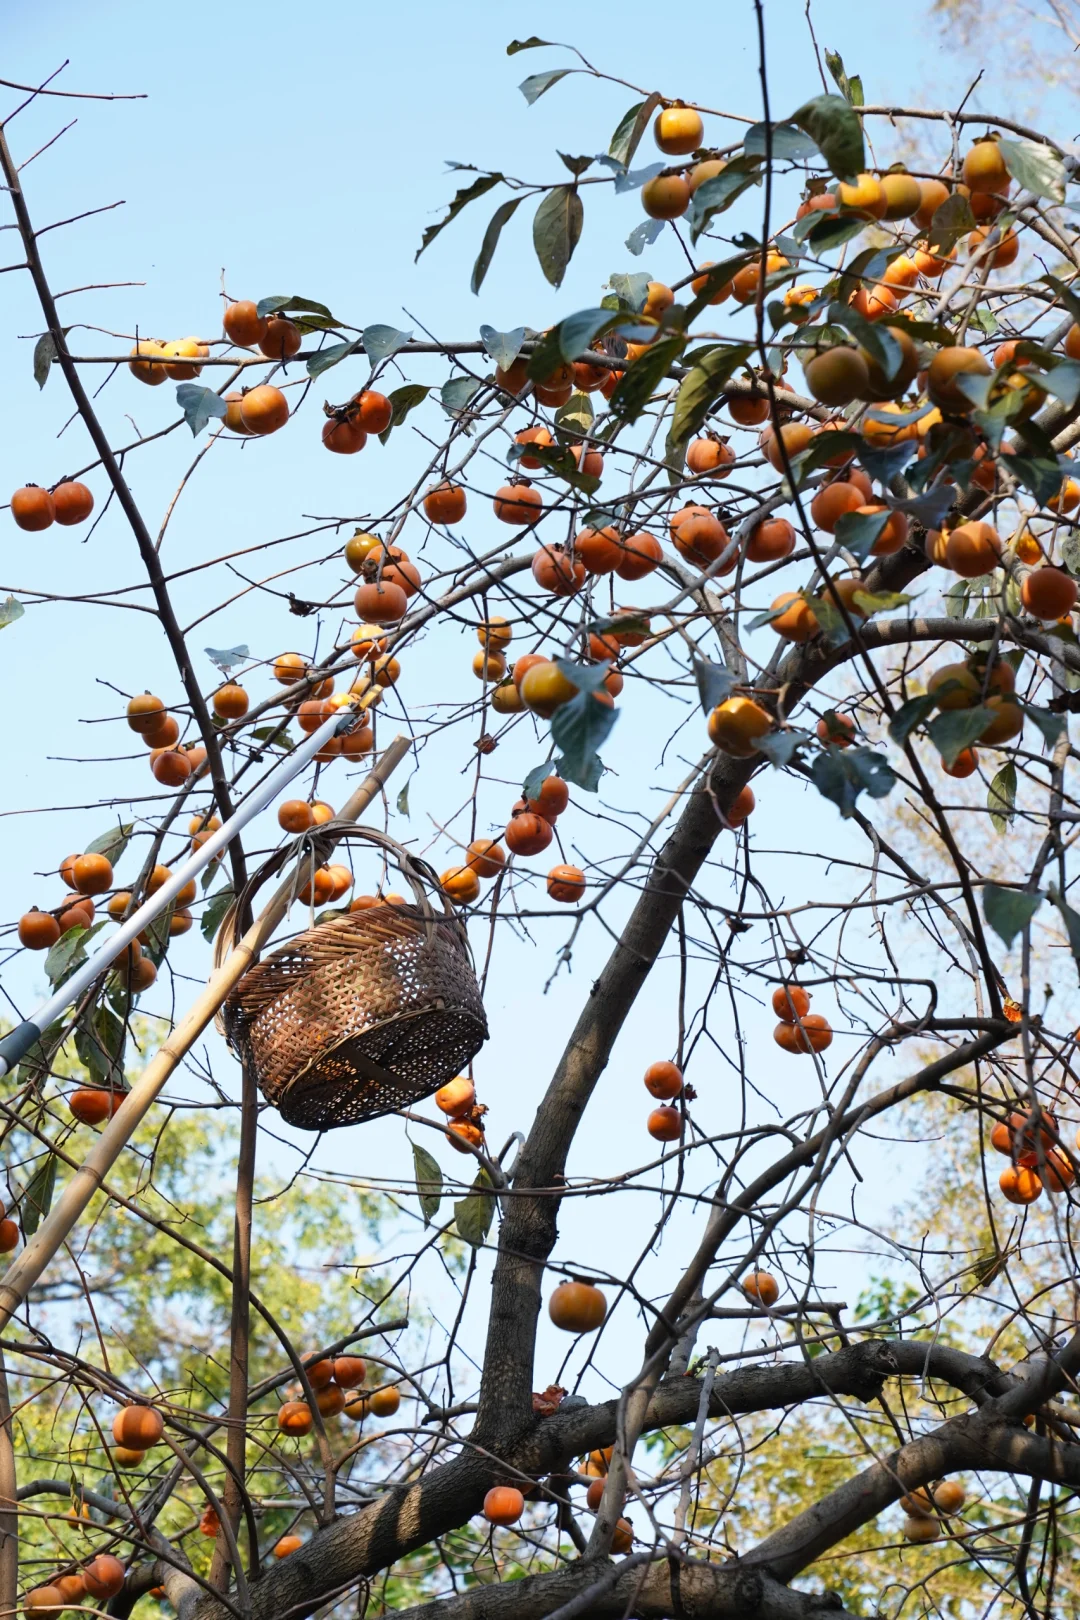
305,155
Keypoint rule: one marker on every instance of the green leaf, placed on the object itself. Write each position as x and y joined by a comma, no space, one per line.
715,196
715,683
381,342
1009,911
1070,918
858,532
850,89
157,942
210,921
876,339
832,230
461,200
99,1041
10,610
1067,296
957,729
842,774
578,729
698,391
113,843
632,126
631,290
557,230
952,220
402,401
429,1184
502,347
577,165
534,87
643,235
577,414
1051,725
308,315
574,334
535,780
499,218
836,130
44,355
556,459
1042,477
779,746
473,1215
1001,797
870,602
1035,167
908,716
787,141
323,359
638,383
69,952
403,801
37,1199
274,736
199,405
529,44
455,394
822,449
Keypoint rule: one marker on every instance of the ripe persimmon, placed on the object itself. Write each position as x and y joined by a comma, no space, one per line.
330,1400
698,535
318,889
566,884
700,282
666,196
286,1545
577,1307
790,1002
282,338
544,688
264,409
92,1104
294,1417
503,1504
745,282
639,555
372,410
486,856
678,130
138,1427
864,195
32,508
461,884
343,435
243,324
180,353
903,194
966,763
710,456
795,437
1048,593
164,732
599,549
146,364
72,502
463,1134
1008,721
1020,1184
519,504
664,1124
1000,253
736,724
103,1576
533,435
144,711
557,570
973,549
231,702
707,169
445,503
9,1235
552,798
948,365
38,930
527,834
832,501
748,410
837,375
797,621
456,1098
384,1402
893,534
381,602
770,540
91,874
663,1080
72,1588
762,1287
811,1033
742,806
44,1603
489,666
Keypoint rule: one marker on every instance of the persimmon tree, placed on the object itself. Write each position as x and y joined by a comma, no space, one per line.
827,460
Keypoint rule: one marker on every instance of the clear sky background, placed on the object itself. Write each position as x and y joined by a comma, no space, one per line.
303,153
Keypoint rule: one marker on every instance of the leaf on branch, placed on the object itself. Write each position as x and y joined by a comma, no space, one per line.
99,1041
577,414
210,921
1009,911
715,683
113,843
952,220
643,236
402,401
455,394
44,355
199,405
836,131
535,85
1071,919
502,347
380,342
717,195
1001,797
577,165
698,391
499,218
788,141
429,1183
226,658
37,1199
877,340
631,290
931,507
403,802
1066,294
69,952
473,1215
578,729
632,126
1035,167
461,200
908,716
832,230
323,359
307,314
850,89
842,774
529,44
858,532
779,746
639,382
1051,725
957,729
10,610
557,231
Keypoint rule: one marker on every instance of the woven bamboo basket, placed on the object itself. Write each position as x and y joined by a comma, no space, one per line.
365,1013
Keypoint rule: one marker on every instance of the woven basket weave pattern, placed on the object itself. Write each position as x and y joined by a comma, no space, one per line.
359,1016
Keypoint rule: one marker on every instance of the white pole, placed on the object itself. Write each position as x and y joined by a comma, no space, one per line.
14,1046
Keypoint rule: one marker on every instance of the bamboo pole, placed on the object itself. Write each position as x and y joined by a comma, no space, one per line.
42,1247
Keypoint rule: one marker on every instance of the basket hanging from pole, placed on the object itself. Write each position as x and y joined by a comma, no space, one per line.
364,1014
